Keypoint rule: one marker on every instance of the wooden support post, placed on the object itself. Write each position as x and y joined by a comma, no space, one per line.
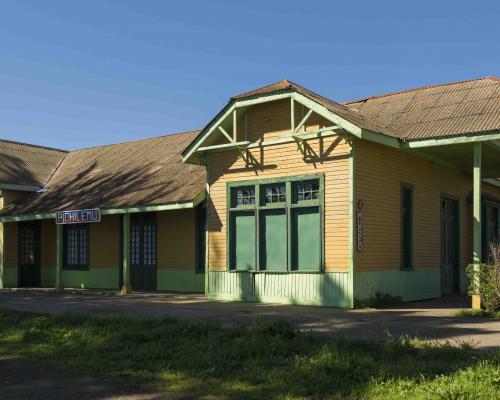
292,115
126,288
476,300
246,125
226,134
235,124
304,120
59,257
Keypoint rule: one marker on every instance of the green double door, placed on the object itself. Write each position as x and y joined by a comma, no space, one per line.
143,251
29,254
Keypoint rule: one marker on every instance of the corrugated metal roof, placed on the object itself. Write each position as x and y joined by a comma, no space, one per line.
143,172
435,111
27,164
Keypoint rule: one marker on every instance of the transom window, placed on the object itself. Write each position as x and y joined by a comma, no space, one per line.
245,196
307,190
275,193
276,225
76,246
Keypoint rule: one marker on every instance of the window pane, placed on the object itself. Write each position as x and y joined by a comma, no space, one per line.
244,196
307,190
77,245
274,193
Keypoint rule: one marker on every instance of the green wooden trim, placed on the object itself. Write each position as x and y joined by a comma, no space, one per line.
380,138
352,220
179,280
306,288
288,206
417,284
477,211
464,138
207,216
224,113
126,251
225,146
111,211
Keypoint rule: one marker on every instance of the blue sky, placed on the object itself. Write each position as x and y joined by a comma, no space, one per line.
83,73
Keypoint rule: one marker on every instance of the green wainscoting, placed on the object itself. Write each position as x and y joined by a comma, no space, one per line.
9,277
93,278
180,280
322,289
48,276
464,281
418,284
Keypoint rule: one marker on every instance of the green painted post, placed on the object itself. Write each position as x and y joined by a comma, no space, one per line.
476,301
207,219
126,288
352,220
59,257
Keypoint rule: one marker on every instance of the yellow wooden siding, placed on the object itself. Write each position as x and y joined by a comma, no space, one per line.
10,248
270,121
176,239
48,243
328,155
380,171
104,245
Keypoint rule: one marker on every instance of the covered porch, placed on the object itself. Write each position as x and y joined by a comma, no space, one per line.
479,157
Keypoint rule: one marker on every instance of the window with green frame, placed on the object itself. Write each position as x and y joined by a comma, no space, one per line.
76,246
276,224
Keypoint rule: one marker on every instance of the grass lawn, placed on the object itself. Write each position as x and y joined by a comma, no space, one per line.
267,361
477,313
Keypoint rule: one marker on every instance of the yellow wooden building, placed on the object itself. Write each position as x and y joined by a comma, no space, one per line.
285,196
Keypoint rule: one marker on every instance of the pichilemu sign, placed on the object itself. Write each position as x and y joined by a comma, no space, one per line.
78,216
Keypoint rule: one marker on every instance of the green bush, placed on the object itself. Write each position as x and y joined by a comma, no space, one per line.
485,280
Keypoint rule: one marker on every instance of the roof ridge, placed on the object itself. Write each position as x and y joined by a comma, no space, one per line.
286,82
136,140
33,145
363,99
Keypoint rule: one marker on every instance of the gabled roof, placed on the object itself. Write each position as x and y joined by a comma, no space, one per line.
137,173
436,111
341,110
23,164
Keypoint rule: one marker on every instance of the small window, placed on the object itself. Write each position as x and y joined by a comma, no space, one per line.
274,193
406,226
244,196
307,190
76,246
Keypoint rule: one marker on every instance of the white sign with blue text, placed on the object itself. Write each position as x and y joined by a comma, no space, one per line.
78,216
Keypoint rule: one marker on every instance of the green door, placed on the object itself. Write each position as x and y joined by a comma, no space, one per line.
306,239
449,246
29,254
143,251
273,237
